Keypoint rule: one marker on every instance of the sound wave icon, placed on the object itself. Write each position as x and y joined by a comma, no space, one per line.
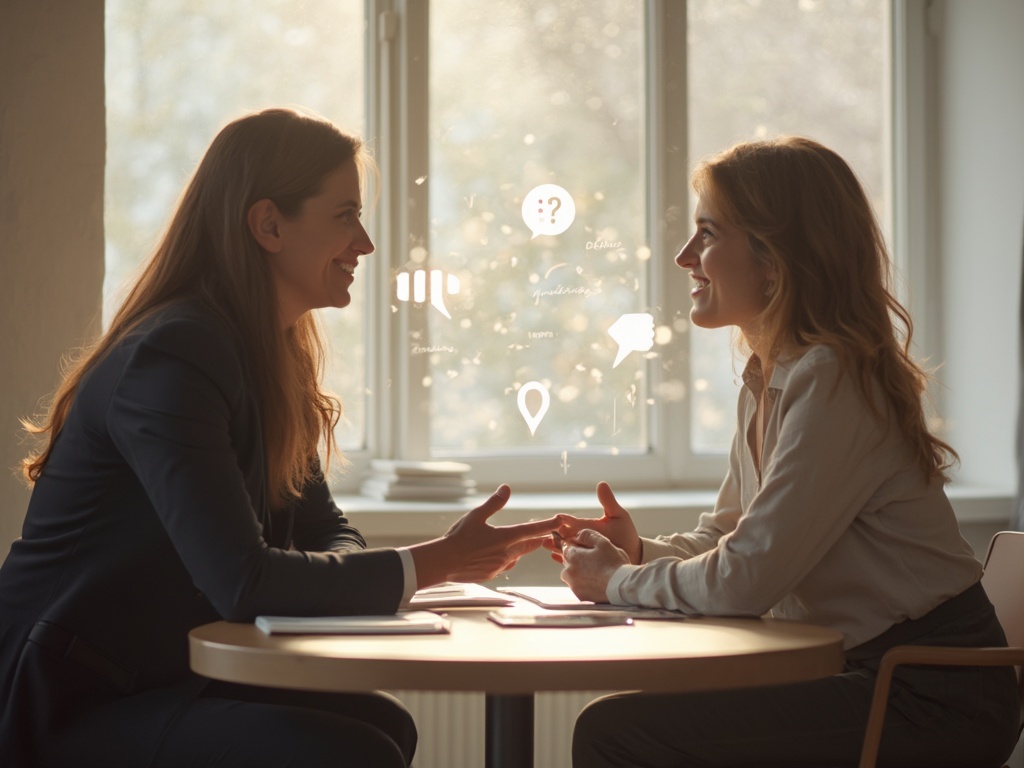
438,285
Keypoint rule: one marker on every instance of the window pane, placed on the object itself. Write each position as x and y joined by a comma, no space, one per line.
528,93
760,69
176,72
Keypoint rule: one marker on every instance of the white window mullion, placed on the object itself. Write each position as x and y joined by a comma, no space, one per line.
913,178
667,226
412,433
381,27
398,132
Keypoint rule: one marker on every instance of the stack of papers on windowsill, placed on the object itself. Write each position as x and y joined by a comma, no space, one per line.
404,623
391,480
458,595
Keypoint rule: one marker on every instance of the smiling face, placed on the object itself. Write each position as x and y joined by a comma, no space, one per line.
729,281
313,254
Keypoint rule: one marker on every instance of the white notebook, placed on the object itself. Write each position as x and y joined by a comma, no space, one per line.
405,623
458,595
557,598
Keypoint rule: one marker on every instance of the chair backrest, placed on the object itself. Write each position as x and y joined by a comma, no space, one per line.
1004,582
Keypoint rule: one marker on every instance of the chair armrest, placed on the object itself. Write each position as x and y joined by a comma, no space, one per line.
946,656
931,656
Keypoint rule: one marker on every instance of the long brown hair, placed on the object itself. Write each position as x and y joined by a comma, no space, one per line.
208,252
810,222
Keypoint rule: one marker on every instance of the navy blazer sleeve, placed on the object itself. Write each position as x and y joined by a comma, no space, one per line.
317,525
179,414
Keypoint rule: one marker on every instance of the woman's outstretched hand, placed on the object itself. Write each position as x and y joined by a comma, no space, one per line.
474,550
590,560
616,525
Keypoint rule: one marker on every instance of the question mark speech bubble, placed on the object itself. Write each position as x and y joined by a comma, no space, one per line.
633,332
548,209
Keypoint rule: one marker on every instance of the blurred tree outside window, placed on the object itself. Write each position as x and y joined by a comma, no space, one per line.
764,68
566,109
177,71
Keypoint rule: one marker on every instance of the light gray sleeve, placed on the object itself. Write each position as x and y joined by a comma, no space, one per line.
830,455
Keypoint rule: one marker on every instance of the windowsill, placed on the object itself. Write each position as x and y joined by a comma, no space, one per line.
653,511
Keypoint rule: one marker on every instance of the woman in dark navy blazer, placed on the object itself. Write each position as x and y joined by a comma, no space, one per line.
178,483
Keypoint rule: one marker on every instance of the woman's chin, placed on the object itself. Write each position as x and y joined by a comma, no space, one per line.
702,320
341,300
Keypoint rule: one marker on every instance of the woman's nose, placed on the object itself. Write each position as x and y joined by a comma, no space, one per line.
689,256
363,242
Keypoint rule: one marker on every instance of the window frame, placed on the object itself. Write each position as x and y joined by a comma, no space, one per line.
398,89
396,427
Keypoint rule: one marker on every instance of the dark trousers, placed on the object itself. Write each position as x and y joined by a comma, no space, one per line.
232,725
937,717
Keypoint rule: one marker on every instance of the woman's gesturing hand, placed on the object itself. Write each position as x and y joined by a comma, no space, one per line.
474,550
616,525
590,560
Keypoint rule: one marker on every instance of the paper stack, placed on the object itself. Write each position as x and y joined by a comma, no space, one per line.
458,595
392,480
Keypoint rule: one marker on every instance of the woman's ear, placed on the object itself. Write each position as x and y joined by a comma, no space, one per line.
262,219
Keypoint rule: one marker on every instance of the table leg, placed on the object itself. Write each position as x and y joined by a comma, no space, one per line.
509,731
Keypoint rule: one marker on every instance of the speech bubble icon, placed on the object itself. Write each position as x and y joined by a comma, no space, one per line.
439,283
533,419
548,209
633,332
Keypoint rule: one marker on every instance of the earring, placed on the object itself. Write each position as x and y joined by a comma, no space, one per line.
769,289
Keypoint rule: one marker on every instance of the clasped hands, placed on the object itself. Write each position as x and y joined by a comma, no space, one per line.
474,550
590,549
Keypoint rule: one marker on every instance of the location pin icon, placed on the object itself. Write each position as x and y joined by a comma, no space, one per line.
533,419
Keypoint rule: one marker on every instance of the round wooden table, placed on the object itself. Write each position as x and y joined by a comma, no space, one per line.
511,664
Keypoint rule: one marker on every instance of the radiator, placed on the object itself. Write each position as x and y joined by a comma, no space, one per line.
451,727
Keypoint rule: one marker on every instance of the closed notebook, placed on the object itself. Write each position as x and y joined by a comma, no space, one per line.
458,595
557,598
405,623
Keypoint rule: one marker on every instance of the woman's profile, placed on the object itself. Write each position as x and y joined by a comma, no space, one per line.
832,512
179,482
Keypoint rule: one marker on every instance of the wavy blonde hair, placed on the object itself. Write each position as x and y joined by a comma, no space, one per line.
809,221
208,252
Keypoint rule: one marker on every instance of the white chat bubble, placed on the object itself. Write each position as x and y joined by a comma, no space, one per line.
440,283
548,210
633,332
